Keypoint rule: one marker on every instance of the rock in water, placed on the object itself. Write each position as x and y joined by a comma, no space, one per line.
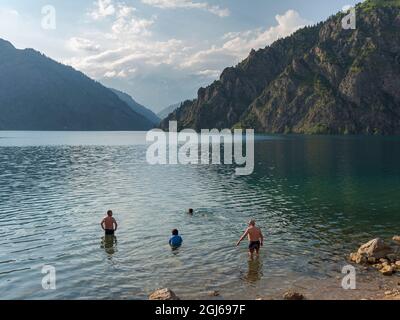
376,248
292,295
163,294
396,238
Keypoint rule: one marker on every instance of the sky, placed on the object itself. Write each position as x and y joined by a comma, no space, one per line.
158,51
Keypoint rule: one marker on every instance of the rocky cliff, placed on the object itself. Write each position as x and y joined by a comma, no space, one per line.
323,79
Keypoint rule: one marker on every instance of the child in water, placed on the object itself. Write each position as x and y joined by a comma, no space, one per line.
176,240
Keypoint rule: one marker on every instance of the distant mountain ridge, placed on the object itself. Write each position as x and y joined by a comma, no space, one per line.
168,110
38,93
323,79
137,107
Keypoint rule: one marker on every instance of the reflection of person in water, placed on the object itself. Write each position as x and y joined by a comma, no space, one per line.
254,272
108,243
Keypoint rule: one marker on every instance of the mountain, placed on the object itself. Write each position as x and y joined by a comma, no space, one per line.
168,110
37,93
323,79
137,107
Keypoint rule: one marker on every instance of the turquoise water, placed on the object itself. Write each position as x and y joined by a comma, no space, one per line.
316,198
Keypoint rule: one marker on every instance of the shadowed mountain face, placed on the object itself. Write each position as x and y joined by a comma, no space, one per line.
137,107
322,79
37,93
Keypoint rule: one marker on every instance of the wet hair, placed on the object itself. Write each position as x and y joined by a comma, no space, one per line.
252,222
109,212
175,232
190,210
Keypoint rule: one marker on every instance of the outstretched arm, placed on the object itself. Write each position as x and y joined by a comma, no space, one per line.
242,237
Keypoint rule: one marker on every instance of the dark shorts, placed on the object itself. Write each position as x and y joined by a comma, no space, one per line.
254,245
109,232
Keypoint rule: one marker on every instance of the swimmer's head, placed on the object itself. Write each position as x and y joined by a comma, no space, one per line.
252,223
190,211
175,232
109,213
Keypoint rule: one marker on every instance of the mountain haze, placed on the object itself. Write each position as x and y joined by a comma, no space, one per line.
168,110
137,107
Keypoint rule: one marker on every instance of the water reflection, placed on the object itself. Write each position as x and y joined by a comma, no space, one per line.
254,271
109,244
316,199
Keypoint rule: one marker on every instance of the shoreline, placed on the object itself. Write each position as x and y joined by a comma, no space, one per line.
369,276
370,286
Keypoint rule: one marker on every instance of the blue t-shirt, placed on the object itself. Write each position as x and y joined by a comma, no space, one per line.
175,241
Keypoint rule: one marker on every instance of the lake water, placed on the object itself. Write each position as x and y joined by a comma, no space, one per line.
316,198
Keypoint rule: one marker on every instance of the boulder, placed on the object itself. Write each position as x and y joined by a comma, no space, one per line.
163,294
376,248
387,270
292,295
358,258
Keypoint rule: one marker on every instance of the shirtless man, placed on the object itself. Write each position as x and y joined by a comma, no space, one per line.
109,225
255,237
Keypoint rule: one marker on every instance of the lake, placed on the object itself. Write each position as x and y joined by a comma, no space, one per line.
317,198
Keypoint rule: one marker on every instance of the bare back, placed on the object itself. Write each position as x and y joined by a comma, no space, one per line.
254,234
109,223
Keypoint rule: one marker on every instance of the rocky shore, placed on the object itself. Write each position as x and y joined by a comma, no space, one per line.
379,259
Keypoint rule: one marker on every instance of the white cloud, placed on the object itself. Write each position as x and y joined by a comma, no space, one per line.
77,44
103,8
127,24
130,46
209,73
237,45
8,13
131,55
188,4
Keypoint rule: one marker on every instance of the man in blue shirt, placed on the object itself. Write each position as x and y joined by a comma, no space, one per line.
176,240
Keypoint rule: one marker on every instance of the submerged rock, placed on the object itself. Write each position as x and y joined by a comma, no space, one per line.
163,294
293,295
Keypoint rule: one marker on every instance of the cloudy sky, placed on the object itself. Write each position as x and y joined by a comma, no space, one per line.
159,51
